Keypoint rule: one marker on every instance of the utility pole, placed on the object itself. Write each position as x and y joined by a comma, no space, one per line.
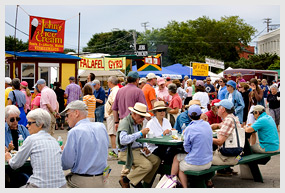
144,24
267,21
135,39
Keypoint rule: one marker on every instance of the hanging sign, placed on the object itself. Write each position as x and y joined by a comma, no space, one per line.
91,64
46,35
200,69
115,63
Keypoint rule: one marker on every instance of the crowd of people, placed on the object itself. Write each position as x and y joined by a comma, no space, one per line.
133,109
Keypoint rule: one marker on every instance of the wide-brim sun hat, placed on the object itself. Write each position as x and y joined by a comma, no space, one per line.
159,105
140,109
194,102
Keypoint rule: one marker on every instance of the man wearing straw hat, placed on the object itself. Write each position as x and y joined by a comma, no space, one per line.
129,131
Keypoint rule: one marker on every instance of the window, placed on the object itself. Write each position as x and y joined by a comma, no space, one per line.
28,74
7,70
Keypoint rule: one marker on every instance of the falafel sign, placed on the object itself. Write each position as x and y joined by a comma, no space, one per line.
102,63
46,34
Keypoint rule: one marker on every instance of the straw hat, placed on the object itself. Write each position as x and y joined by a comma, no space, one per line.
140,109
194,102
159,105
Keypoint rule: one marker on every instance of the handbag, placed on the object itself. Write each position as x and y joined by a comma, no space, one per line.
232,151
168,181
16,104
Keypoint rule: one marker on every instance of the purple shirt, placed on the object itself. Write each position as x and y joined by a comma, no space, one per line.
73,91
126,97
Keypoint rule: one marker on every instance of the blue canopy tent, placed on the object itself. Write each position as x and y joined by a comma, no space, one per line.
163,73
175,71
183,71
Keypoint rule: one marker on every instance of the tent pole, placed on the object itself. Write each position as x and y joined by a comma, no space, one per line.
190,69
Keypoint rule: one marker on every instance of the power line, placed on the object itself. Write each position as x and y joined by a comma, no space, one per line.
16,28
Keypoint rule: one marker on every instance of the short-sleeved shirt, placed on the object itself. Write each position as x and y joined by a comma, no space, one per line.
110,101
228,125
100,94
36,101
20,98
149,94
212,118
126,97
265,92
48,96
210,88
175,102
90,101
203,98
73,91
7,91
183,118
163,94
267,132
28,100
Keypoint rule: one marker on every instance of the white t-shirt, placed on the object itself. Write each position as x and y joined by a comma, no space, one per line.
204,99
157,130
230,97
190,89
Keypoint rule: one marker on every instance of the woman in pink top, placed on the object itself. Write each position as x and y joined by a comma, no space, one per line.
24,88
36,102
175,104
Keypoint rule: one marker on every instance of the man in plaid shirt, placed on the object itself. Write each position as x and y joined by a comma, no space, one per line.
227,127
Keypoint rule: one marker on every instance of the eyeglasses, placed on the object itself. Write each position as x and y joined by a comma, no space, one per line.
161,110
29,122
208,80
220,81
66,114
13,119
228,85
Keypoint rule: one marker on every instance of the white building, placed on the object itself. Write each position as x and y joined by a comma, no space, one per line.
269,43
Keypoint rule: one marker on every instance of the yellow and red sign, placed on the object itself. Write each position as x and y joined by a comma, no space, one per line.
200,69
46,35
102,63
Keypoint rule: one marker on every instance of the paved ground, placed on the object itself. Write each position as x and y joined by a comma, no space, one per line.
270,173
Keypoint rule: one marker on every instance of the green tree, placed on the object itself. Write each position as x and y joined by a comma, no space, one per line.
192,40
66,50
10,44
116,42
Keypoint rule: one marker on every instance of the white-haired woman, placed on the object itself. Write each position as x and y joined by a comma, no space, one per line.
44,151
13,129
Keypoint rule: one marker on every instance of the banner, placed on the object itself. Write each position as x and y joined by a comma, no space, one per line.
215,63
151,63
91,64
115,63
46,35
102,63
200,69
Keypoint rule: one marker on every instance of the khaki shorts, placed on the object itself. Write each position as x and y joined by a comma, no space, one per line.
111,125
219,159
184,166
257,149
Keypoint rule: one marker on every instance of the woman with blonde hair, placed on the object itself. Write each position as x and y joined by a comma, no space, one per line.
24,88
189,90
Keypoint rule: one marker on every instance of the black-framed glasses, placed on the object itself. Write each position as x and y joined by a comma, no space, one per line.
161,110
13,119
30,122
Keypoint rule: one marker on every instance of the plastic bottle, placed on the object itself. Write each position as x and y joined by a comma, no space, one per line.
183,127
20,141
59,140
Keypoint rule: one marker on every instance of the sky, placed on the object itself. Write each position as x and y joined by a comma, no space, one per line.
104,18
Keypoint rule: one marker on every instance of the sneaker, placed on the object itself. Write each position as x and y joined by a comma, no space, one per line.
112,153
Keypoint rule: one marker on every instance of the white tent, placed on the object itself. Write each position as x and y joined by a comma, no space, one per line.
100,75
214,76
222,73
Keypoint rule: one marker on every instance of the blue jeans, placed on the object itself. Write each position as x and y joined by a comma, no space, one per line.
99,114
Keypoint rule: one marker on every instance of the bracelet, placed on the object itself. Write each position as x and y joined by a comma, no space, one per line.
117,122
141,133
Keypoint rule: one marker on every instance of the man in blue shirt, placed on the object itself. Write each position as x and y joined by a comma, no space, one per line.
210,89
99,94
86,148
266,130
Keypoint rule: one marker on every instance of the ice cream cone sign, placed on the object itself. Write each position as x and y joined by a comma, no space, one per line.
34,26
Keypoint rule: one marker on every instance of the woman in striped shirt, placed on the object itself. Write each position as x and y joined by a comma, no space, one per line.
90,100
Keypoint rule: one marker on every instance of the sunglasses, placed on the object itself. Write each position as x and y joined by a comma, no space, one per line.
220,81
161,110
29,122
13,119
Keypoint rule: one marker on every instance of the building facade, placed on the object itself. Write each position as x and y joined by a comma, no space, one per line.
269,43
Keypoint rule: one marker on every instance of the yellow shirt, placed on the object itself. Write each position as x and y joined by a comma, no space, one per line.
7,91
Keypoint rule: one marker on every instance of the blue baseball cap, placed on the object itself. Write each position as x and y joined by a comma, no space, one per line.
194,109
232,83
225,103
133,74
